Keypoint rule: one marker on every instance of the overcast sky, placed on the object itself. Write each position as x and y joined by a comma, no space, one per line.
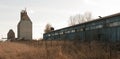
55,12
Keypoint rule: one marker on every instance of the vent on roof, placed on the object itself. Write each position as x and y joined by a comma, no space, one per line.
99,16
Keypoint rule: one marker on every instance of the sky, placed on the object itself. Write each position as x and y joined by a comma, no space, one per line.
55,12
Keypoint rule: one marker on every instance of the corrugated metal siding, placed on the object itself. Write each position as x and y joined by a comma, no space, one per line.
106,33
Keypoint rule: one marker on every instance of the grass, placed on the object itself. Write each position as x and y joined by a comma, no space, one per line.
58,50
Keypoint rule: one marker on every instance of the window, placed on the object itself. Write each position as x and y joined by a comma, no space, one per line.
72,31
53,34
61,33
114,24
56,33
67,32
99,26
49,35
81,29
87,28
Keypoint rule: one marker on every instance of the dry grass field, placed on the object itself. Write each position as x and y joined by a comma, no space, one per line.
57,50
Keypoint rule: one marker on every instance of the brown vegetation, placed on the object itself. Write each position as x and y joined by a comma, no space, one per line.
57,50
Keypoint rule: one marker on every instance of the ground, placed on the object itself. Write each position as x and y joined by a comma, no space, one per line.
57,50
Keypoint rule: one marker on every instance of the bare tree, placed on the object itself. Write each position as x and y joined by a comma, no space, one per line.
79,18
72,21
88,16
48,28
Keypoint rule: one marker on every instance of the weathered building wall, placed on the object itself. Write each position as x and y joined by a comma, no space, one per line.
25,27
10,35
